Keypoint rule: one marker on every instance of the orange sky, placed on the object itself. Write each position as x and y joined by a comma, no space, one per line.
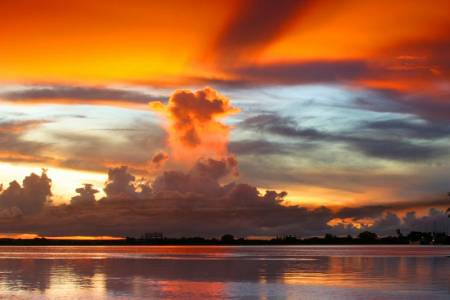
168,42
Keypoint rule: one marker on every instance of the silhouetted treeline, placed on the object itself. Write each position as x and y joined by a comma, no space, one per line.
364,238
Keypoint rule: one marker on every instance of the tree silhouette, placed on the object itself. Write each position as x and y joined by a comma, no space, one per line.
367,236
227,238
448,209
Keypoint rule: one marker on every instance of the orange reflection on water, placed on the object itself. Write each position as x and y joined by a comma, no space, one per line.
192,290
85,237
168,272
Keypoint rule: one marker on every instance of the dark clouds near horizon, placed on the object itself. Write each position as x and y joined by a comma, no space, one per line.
190,203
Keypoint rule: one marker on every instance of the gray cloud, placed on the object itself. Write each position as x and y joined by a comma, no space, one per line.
86,195
304,72
78,95
264,147
28,198
380,143
405,128
401,150
432,107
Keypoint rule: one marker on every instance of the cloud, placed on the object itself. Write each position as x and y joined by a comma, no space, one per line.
255,24
193,203
194,125
258,147
431,106
400,150
304,72
436,220
205,198
159,159
202,179
14,147
180,204
410,129
283,126
368,211
120,183
216,169
402,147
387,224
93,150
20,126
386,220
30,197
71,94
86,195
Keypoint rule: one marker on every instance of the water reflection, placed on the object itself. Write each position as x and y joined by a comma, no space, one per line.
221,272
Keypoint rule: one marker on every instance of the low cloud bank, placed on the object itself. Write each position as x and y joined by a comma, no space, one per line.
196,202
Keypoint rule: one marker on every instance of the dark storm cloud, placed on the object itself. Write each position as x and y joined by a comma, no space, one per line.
182,203
28,198
256,24
77,94
122,185
380,143
216,169
376,211
176,203
86,195
435,221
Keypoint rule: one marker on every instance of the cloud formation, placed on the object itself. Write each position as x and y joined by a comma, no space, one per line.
86,195
14,147
193,124
28,198
193,203
255,24
159,159
428,105
305,72
399,135
76,95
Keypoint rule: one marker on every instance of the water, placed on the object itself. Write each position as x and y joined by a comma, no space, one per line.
218,272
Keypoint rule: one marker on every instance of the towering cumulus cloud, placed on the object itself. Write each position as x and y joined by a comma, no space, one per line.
30,198
193,124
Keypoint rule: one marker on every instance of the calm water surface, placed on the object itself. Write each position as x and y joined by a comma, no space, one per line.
218,272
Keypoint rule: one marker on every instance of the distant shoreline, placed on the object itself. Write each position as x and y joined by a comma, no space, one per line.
416,238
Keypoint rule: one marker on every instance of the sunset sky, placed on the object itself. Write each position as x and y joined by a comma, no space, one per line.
343,105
